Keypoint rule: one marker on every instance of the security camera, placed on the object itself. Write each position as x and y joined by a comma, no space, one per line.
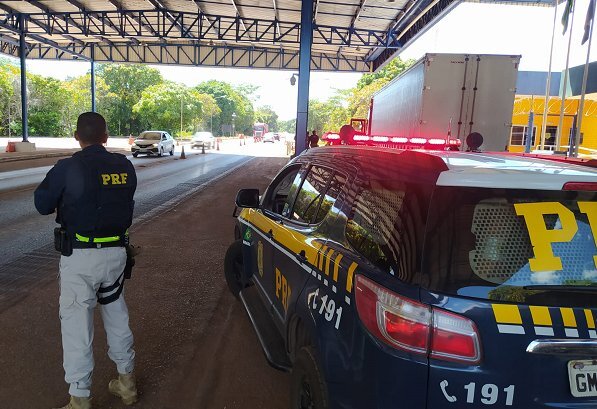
292,80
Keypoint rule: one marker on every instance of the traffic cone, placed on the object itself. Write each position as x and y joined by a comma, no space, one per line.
182,155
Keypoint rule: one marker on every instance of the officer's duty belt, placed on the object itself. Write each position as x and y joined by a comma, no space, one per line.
82,242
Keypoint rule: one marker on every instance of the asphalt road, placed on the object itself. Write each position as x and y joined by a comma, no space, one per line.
194,343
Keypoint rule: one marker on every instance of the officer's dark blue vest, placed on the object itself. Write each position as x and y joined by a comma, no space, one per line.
98,198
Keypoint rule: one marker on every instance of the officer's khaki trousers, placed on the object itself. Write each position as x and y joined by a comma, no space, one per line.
81,275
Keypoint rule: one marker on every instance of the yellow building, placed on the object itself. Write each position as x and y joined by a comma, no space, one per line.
525,104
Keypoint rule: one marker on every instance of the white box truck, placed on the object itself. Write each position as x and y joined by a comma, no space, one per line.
449,96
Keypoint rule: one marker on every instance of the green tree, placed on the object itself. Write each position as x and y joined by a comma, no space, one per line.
10,98
390,71
79,91
163,106
327,116
125,84
48,100
288,125
267,115
230,101
6,93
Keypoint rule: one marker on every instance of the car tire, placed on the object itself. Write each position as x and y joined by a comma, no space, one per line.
233,265
135,154
172,151
307,386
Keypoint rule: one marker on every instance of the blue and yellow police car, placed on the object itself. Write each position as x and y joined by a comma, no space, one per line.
386,278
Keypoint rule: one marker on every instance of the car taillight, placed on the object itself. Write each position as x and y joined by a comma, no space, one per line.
454,338
411,326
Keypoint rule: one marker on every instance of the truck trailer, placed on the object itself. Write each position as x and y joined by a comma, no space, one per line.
446,97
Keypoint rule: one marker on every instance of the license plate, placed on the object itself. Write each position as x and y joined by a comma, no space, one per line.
583,378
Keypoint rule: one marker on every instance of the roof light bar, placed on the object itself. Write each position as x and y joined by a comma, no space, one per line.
380,138
334,136
399,139
362,138
418,141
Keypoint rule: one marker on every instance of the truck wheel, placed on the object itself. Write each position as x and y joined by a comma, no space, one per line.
307,386
233,267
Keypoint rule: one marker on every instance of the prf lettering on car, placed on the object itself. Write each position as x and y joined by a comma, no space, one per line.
114,178
542,238
282,289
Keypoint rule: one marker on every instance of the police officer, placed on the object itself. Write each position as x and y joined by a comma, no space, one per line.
92,194
313,139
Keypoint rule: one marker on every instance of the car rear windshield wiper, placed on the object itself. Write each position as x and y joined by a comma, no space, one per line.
567,288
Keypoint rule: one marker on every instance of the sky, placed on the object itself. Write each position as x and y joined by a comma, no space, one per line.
468,28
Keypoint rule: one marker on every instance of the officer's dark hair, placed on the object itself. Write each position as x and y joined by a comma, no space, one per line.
91,127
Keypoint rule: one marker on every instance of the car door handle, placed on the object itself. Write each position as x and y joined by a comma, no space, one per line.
301,257
270,234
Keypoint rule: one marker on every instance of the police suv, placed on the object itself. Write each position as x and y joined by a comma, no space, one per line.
386,278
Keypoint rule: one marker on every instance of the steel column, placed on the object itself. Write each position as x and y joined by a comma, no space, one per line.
93,78
302,114
529,140
23,56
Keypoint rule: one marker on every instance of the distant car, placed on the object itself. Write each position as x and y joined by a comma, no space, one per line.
269,137
203,139
153,143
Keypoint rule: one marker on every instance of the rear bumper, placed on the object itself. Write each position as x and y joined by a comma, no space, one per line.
148,151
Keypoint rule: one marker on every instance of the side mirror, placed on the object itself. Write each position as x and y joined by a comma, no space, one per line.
247,198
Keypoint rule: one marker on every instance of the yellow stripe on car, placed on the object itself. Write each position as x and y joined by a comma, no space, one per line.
541,315
350,276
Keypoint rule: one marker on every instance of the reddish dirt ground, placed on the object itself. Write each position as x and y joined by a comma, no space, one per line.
195,345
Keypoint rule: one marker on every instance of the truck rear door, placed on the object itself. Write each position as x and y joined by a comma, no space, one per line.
512,281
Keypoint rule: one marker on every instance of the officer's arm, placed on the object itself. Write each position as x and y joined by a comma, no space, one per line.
48,193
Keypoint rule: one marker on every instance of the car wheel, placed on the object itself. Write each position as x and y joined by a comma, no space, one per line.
172,151
307,386
233,267
160,152
135,154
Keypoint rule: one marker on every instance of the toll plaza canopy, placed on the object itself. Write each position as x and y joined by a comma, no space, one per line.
347,35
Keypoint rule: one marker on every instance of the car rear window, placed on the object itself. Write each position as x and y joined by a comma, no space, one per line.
511,245
317,195
155,136
385,225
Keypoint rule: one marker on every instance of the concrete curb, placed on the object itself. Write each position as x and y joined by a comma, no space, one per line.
35,156
12,157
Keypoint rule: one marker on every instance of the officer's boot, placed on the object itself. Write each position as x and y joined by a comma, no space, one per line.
78,403
125,388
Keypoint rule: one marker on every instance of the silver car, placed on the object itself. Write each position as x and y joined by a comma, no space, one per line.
205,139
153,143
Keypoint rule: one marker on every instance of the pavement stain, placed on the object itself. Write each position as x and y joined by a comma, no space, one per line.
194,343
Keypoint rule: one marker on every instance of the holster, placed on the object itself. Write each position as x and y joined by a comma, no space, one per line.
62,242
130,262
